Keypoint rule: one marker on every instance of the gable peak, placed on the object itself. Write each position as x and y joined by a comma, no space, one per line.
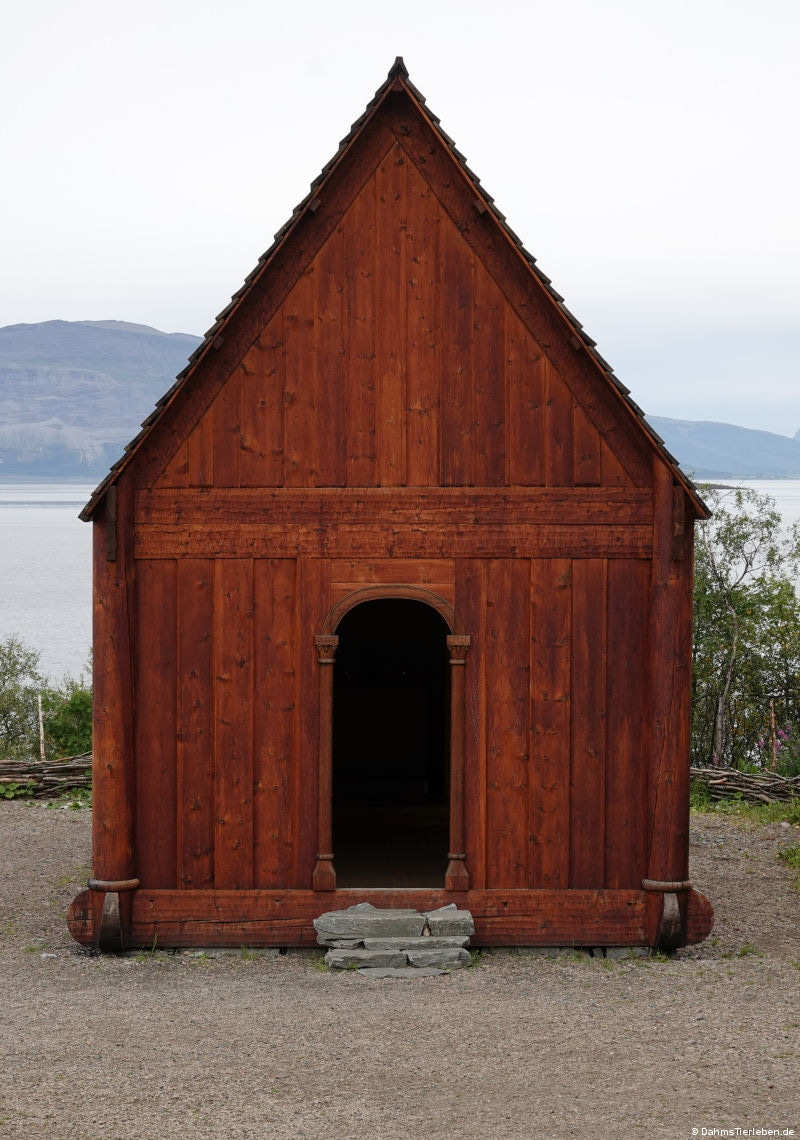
398,70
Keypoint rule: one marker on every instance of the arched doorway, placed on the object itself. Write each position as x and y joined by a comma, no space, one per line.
391,743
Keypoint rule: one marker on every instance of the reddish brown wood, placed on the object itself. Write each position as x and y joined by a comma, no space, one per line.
588,710
587,451
261,459
342,539
233,736
195,838
156,724
699,917
456,304
395,407
668,698
360,394
226,431
471,610
391,291
424,331
201,454
507,721
489,381
274,618
430,506
457,874
299,396
551,590
176,473
313,604
629,727
113,755
324,876
388,590
535,918
557,430
525,382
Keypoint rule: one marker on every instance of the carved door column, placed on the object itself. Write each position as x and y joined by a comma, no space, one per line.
457,876
324,877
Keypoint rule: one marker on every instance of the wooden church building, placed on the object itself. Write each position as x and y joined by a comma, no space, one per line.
393,595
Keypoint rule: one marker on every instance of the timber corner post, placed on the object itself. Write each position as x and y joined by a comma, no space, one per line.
667,885
100,916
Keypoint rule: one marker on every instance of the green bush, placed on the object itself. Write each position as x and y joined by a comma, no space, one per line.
68,719
66,708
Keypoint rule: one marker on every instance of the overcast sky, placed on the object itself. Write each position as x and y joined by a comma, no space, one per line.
647,153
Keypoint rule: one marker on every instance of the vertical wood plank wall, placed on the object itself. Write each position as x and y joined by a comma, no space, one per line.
227,736
396,359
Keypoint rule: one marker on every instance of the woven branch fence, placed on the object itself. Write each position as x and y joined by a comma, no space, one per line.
48,779
57,776
756,787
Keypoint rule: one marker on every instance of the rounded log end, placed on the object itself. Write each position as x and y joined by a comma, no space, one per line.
699,918
82,919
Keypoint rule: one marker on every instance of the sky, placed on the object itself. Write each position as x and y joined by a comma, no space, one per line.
645,152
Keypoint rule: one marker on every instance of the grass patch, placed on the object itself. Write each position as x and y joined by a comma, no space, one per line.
791,857
476,958
72,801
13,790
738,808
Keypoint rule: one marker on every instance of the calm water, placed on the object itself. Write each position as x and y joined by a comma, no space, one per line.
46,569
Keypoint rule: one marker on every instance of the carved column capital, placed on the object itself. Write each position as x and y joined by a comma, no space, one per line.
326,645
457,646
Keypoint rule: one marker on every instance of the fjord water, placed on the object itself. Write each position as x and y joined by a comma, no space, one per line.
46,566
46,572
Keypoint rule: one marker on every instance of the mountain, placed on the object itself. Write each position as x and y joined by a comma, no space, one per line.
72,393
711,450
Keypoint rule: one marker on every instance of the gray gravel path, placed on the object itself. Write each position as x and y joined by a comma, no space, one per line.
262,1045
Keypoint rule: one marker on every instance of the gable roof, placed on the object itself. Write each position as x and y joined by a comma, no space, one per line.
397,80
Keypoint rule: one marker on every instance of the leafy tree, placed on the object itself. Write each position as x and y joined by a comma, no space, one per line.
67,708
68,719
747,631
20,682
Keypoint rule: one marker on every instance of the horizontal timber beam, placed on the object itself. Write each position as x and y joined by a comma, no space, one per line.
502,918
388,540
410,505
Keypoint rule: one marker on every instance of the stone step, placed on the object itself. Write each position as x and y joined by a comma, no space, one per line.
449,921
453,958
401,972
426,942
366,921
352,959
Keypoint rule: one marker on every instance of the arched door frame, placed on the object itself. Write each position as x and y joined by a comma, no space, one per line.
326,643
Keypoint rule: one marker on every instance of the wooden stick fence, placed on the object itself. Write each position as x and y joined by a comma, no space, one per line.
756,787
51,778
57,776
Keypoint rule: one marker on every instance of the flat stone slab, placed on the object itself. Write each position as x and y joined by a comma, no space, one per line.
353,959
366,921
623,952
449,921
400,972
427,942
452,958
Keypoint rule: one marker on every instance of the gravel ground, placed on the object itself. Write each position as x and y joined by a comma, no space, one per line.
268,1045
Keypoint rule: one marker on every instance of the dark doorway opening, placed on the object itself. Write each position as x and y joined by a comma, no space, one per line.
391,722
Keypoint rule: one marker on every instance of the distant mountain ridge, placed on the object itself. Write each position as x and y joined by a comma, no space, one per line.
73,393
707,449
